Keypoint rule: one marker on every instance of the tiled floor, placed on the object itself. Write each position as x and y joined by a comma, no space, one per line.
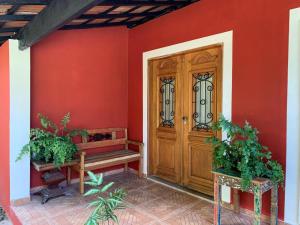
147,203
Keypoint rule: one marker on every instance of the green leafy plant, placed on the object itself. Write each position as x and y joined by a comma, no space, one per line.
52,143
2,215
104,207
241,154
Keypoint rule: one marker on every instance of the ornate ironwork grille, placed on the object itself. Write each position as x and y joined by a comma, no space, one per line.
167,101
203,89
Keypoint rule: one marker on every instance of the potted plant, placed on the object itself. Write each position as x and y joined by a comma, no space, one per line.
52,143
104,206
241,154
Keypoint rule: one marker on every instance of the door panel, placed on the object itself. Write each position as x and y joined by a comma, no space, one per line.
166,156
166,125
202,106
199,153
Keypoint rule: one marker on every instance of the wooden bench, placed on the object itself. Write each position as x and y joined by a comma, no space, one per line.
100,138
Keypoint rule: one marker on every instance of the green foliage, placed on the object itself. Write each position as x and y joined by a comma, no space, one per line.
2,215
104,207
52,143
241,152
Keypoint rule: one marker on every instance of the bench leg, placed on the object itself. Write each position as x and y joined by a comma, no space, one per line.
69,171
126,167
81,182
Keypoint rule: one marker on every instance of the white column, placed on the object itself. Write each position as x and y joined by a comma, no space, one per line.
19,69
292,185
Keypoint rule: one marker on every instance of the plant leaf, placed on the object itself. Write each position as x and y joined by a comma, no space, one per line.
106,187
92,192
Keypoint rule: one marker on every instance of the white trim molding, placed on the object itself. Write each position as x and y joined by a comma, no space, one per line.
226,39
292,185
19,75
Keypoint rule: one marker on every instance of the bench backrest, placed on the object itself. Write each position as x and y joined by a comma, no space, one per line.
99,138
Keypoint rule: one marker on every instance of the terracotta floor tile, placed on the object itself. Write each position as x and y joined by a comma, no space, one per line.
137,197
158,189
133,217
196,214
160,208
147,203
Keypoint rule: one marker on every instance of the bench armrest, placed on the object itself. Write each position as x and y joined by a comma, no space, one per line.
140,144
141,151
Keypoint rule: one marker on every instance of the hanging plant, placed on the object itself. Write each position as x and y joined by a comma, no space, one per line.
52,143
241,154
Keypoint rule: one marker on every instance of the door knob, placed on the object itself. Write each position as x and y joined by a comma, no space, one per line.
184,119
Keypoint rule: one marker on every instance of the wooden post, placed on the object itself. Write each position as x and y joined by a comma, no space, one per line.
81,178
217,201
257,205
274,205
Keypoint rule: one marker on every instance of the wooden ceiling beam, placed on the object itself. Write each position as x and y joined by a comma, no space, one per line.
146,11
180,4
141,3
24,2
97,25
87,16
16,17
120,15
12,10
9,29
102,13
53,17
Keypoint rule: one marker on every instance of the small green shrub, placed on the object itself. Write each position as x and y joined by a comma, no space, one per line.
52,143
241,152
104,207
2,215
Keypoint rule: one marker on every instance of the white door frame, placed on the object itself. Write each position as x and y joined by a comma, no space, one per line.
292,185
226,39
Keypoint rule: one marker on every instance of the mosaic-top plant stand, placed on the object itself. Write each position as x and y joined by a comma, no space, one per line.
257,188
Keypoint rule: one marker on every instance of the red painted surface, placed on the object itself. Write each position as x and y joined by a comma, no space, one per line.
260,57
4,126
13,217
83,72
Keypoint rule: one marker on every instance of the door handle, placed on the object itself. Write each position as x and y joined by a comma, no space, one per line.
184,119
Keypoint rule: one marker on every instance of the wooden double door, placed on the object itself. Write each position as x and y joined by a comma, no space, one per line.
185,100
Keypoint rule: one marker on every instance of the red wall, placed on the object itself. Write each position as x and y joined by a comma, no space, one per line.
83,72
4,126
260,56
